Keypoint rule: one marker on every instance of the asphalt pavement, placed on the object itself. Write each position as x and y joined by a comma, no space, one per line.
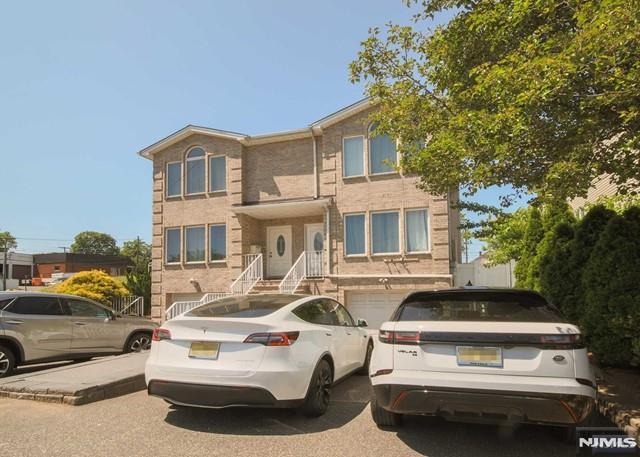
138,425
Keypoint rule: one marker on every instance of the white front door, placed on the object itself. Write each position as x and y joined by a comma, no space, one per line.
314,247
278,250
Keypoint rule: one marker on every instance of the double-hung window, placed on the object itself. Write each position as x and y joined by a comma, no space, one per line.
217,174
353,156
194,243
195,171
417,230
217,242
172,245
354,234
382,152
385,232
174,179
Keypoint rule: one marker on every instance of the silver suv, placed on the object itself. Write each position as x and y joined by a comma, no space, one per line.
37,328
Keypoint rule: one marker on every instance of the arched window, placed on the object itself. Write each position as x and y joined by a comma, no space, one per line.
195,171
382,152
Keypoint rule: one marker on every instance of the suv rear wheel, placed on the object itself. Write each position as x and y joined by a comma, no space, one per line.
382,417
7,361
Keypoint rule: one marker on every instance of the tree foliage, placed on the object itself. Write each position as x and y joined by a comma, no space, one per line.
138,280
95,285
94,243
611,316
504,236
555,266
533,234
138,251
7,241
541,95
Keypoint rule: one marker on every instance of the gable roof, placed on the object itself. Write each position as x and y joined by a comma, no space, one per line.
314,128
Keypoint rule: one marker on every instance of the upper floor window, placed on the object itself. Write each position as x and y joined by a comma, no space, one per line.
217,173
174,179
417,230
195,175
382,152
353,156
385,232
354,235
217,242
194,243
172,245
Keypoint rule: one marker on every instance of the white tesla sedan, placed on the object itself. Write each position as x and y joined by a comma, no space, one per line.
257,350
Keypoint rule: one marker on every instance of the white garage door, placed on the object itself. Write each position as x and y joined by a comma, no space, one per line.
374,307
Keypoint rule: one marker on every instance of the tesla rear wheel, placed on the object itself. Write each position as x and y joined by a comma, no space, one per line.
7,361
367,360
319,393
138,342
382,417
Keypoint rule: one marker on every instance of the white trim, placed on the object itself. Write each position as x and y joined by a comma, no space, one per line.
282,228
266,210
406,234
306,229
400,238
226,175
383,275
166,179
195,159
166,246
208,243
344,138
344,233
192,262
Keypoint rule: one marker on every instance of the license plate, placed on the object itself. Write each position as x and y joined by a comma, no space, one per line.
204,350
479,356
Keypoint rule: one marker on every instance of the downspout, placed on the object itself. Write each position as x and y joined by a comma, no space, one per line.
316,180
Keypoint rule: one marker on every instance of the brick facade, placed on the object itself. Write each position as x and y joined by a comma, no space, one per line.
259,172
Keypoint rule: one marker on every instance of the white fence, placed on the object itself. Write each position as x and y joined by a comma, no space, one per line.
477,274
250,276
131,305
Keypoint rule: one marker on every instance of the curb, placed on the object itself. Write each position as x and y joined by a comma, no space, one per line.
80,397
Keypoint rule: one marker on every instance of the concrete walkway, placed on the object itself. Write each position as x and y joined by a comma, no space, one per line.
80,383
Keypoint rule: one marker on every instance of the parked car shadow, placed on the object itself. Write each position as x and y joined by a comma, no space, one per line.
349,398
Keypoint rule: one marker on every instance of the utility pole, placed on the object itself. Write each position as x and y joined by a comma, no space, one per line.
64,248
4,267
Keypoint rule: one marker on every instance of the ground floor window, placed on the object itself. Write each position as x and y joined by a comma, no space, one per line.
195,244
172,245
217,242
354,234
385,232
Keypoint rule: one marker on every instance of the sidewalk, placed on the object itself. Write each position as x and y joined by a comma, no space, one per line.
619,398
80,383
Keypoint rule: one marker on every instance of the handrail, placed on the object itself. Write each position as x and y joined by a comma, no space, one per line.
249,277
131,304
181,307
294,276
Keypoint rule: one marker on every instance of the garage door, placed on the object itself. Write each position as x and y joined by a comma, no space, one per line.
374,307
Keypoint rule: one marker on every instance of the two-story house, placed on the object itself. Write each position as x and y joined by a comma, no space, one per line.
320,209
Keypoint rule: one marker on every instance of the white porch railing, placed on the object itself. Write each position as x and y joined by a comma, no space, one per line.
131,305
180,307
249,277
309,265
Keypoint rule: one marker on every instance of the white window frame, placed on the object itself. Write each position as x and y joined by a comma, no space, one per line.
365,234
406,233
166,179
208,242
364,157
166,246
184,242
400,237
185,173
209,173
369,162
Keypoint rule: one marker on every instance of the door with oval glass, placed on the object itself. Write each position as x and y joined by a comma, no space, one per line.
314,247
278,250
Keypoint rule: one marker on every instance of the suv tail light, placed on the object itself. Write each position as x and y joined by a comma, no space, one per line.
273,339
160,334
569,341
386,336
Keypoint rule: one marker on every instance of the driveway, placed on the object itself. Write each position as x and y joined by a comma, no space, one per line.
137,425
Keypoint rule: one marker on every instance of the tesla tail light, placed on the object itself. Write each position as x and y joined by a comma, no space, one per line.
160,334
386,336
273,339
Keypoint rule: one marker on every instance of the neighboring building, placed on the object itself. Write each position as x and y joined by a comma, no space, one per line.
19,267
324,195
600,187
67,262
478,274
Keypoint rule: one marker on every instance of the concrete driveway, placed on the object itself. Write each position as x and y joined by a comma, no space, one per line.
137,425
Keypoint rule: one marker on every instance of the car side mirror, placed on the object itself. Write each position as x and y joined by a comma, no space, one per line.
362,323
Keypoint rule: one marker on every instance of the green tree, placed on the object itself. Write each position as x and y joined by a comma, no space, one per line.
504,238
587,233
95,285
138,251
555,266
532,236
94,243
611,280
541,95
7,241
138,280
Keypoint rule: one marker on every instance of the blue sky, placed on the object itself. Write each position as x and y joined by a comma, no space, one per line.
85,85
